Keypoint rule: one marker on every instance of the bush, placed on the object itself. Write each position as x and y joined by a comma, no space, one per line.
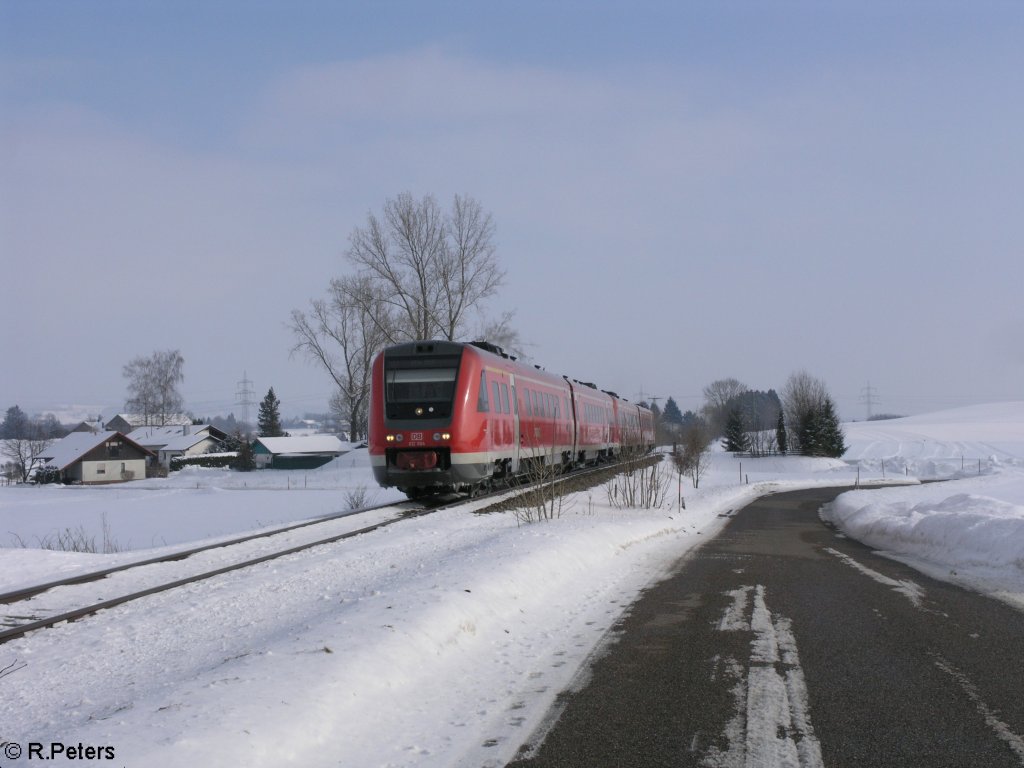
215,461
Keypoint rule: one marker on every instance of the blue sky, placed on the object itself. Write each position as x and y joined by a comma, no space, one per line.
682,191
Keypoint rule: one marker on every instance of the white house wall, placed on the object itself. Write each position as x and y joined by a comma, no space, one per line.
110,471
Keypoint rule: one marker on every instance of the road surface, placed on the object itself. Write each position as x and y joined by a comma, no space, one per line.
782,643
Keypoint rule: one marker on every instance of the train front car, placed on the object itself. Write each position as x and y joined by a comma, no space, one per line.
418,441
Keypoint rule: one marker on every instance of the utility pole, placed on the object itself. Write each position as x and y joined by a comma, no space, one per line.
244,395
643,397
868,398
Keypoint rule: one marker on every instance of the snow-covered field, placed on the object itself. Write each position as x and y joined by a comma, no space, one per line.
441,640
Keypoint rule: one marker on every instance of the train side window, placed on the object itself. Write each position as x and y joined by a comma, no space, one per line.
526,402
497,397
482,406
504,399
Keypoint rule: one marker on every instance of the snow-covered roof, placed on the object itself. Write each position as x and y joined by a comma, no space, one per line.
66,451
304,444
140,419
184,442
160,435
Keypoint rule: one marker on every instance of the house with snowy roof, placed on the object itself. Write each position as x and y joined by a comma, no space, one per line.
94,458
183,440
127,422
306,452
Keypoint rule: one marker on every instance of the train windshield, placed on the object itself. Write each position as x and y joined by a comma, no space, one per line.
422,387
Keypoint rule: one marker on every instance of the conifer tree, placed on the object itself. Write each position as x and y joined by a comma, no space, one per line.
245,461
780,433
735,434
672,414
269,420
833,441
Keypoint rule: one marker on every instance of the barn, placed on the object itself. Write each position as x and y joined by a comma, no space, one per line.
307,452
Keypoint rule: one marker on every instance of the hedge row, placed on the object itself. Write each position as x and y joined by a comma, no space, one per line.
217,461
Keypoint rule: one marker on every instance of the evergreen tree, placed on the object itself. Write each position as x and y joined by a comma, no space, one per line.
269,420
245,461
672,414
833,441
780,433
736,439
15,425
691,419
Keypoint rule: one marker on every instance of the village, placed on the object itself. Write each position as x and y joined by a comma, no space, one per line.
131,447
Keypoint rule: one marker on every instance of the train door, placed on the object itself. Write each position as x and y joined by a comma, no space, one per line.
516,437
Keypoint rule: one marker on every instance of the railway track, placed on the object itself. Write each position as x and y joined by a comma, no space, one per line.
85,594
29,609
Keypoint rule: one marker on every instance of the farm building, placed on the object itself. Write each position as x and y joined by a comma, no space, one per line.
306,452
126,422
180,440
104,457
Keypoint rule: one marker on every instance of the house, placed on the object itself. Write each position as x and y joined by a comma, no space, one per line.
191,445
103,457
183,440
306,452
127,422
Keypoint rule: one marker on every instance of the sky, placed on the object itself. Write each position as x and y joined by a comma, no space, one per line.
682,192
446,639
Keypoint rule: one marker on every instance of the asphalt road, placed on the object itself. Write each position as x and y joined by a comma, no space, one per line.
783,643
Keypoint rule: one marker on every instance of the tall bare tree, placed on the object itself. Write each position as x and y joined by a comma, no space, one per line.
153,386
342,333
717,395
25,452
812,424
421,273
431,269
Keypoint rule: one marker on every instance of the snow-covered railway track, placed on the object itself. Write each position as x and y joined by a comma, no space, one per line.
29,609
36,589
45,605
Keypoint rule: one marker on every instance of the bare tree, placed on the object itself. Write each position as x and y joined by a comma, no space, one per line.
693,456
501,333
153,386
717,395
25,452
802,396
812,422
430,269
342,334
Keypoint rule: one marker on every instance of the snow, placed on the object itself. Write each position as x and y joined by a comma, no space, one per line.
444,639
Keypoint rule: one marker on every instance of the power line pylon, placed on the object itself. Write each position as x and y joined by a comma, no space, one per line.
244,395
868,398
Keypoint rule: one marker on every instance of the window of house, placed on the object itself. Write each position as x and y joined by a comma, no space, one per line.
101,469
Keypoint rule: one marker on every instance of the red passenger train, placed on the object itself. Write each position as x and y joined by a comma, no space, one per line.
446,416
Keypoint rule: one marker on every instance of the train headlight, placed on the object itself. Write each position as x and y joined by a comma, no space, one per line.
399,438
389,438
446,436
419,411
